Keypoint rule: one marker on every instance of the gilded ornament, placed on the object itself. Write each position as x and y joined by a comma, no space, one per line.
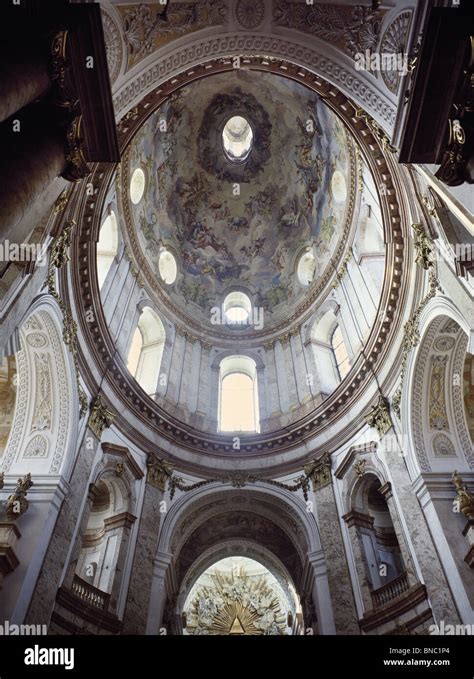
411,336
61,202
319,471
379,417
17,504
464,499
379,135
159,472
100,417
423,247
359,468
77,167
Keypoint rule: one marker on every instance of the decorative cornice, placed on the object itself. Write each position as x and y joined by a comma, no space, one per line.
386,490
271,48
379,135
359,520
85,287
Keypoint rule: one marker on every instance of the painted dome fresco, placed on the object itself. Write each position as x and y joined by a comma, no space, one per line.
244,179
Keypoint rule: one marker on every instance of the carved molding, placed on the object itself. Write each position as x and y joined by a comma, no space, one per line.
351,82
84,289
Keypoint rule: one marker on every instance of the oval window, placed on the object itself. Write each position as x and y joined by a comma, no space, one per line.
167,267
237,139
137,186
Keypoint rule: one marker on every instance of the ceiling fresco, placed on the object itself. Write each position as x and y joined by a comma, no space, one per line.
241,226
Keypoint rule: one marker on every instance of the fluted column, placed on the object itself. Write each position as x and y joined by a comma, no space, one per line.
290,373
186,372
271,383
203,399
297,353
175,369
280,365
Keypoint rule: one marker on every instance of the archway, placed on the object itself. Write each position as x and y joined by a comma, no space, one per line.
268,526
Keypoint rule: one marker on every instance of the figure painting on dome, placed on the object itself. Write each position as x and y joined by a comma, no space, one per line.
242,224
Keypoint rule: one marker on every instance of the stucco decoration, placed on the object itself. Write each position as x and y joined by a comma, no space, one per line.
394,41
8,389
351,29
443,446
113,46
42,414
241,225
438,414
249,13
145,31
236,601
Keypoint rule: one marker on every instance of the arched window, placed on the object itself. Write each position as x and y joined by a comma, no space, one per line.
340,352
237,308
107,247
382,557
330,352
101,542
146,351
238,396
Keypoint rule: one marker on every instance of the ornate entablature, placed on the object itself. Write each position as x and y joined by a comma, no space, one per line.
381,163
